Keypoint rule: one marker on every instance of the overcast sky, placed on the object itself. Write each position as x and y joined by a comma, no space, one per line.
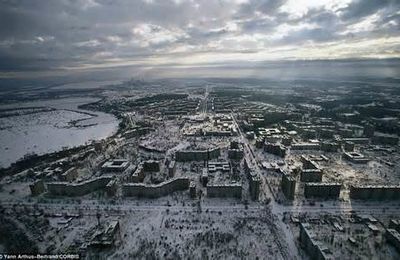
75,34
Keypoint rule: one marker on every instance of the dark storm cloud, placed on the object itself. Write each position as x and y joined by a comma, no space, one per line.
361,8
47,34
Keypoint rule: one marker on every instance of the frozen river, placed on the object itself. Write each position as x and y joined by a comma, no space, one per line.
47,126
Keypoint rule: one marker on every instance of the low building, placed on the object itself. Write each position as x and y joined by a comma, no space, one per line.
224,190
70,175
309,163
315,250
137,131
322,190
197,155
171,169
357,140
155,191
355,157
115,165
305,146
77,189
375,192
37,187
275,149
105,237
311,175
260,142
330,147
287,140
235,153
146,166
151,166
111,188
218,166
137,175
310,171
250,135
385,139
349,146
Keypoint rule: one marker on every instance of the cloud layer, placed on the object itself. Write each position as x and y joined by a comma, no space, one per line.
75,34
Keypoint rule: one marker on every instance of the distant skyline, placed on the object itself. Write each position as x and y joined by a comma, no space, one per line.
66,35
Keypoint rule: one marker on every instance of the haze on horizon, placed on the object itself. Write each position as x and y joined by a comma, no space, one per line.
39,37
